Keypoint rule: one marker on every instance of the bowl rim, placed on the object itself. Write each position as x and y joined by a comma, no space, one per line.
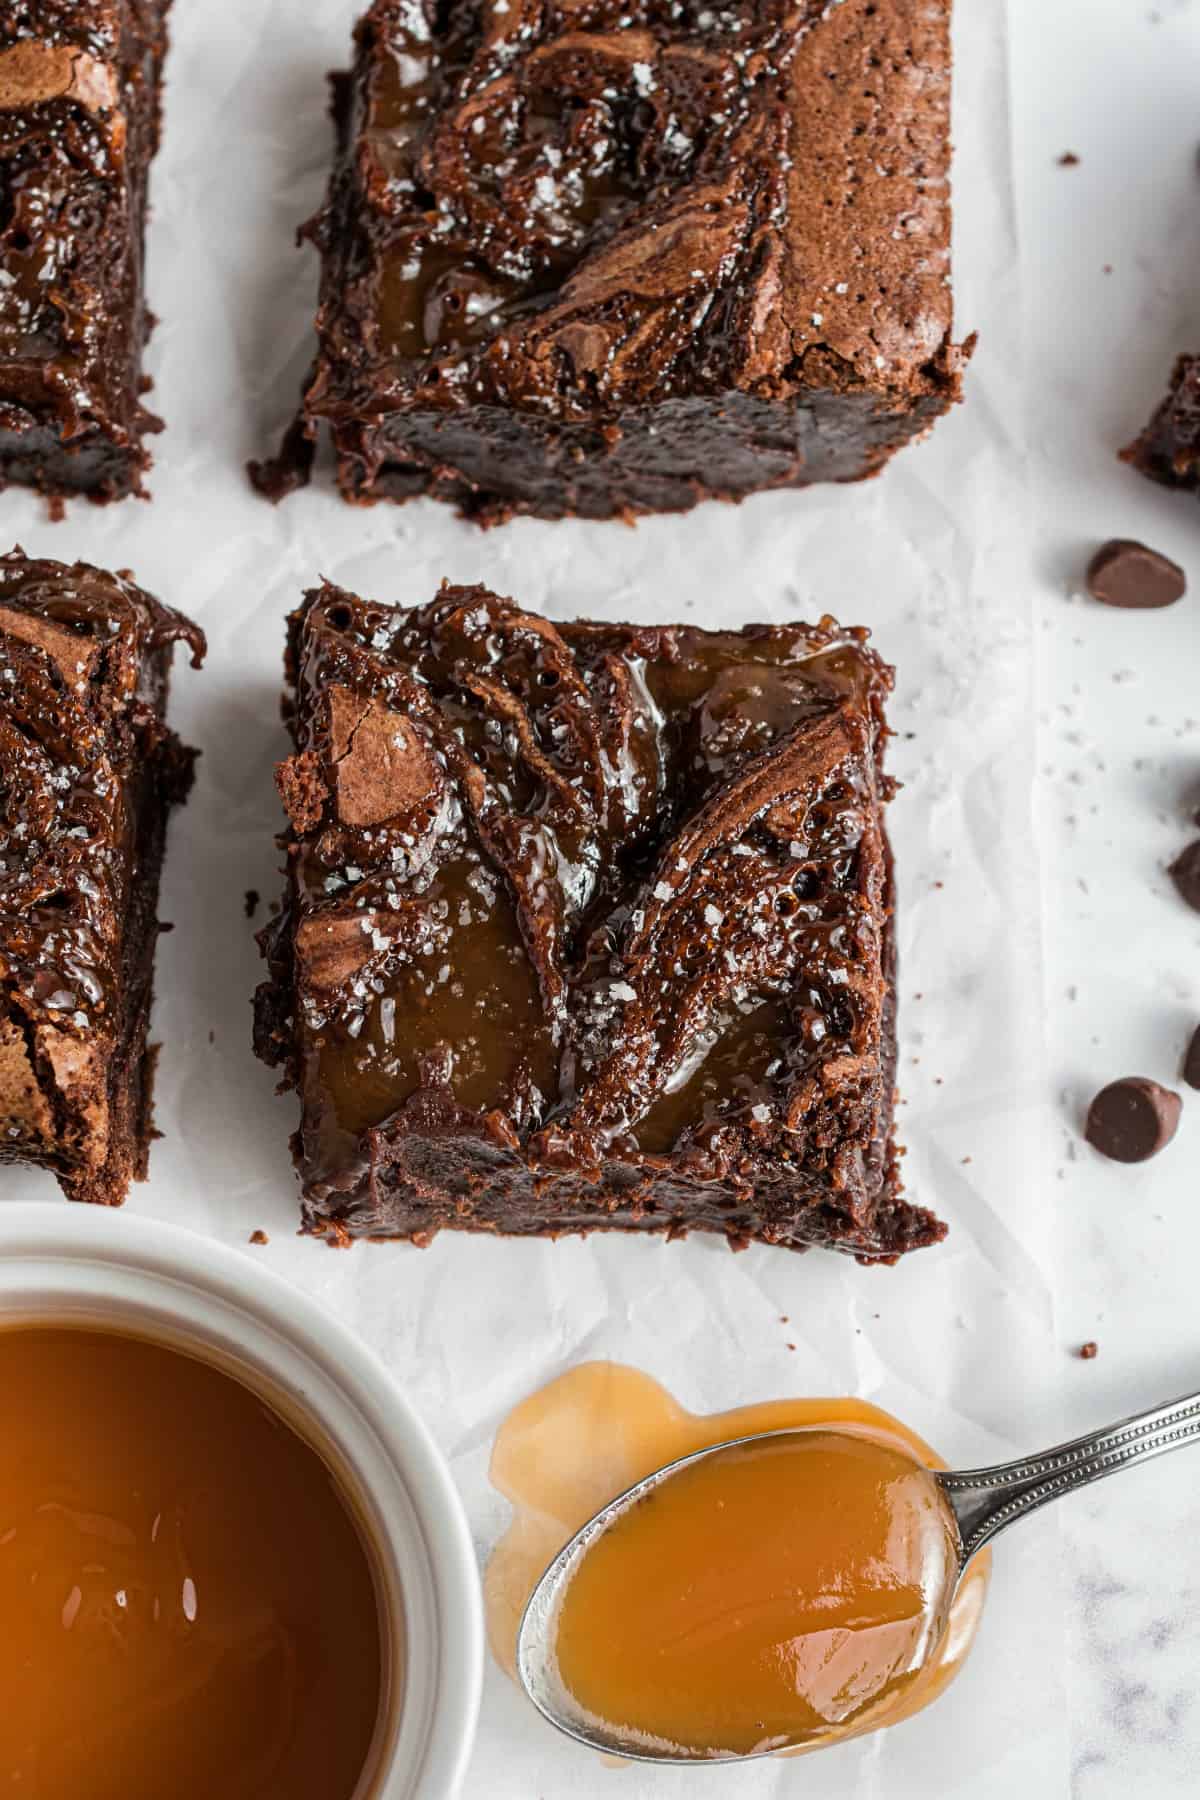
418,1523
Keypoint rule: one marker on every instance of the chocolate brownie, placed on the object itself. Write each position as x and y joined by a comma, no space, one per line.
1169,448
79,125
88,773
587,926
620,257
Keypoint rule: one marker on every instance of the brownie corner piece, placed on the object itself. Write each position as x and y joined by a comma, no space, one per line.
79,124
622,261
587,926
1168,450
88,774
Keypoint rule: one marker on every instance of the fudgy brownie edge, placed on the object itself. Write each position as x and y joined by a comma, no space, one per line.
1168,450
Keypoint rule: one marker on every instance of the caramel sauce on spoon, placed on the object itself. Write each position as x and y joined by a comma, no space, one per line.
783,1595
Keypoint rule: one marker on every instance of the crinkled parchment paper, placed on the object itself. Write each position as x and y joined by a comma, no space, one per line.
955,1340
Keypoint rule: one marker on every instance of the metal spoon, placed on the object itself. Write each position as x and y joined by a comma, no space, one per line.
983,1501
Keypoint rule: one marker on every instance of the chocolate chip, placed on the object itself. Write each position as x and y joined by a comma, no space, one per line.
1185,873
1191,1061
1126,573
1132,1119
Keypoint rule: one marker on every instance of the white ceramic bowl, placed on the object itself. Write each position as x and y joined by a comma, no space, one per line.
78,1265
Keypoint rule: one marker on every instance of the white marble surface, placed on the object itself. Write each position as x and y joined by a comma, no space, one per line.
1118,83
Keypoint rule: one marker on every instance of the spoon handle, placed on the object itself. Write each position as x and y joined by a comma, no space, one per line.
985,1501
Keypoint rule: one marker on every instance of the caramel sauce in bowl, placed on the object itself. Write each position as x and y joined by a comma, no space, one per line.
67,1270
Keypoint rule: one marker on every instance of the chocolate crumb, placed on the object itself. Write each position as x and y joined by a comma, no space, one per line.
252,899
259,1237
1090,1350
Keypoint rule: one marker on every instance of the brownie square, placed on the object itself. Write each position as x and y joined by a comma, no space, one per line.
88,774
79,125
617,258
1168,450
587,926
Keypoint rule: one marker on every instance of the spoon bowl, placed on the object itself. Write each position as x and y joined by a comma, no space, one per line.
806,1645
536,1661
